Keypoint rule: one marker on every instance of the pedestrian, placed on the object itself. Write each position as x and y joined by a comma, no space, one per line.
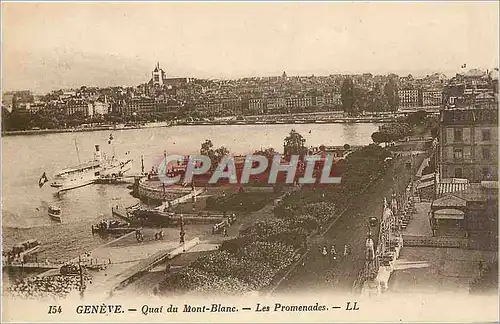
333,252
325,251
225,231
346,250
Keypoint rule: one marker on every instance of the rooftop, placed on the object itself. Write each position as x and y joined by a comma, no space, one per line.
469,115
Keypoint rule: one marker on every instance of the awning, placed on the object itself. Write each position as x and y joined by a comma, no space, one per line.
425,184
449,214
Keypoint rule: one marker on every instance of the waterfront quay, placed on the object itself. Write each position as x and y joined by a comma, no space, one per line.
286,119
124,260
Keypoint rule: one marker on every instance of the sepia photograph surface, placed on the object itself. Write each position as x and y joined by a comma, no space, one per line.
249,162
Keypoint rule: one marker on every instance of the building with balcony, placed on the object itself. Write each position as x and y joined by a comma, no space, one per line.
469,144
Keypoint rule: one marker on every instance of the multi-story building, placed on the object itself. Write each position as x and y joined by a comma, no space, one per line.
33,108
469,144
275,104
299,102
77,106
140,105
209,108
168,106
99,108
408,98
256,105
333,99
232,106
432,98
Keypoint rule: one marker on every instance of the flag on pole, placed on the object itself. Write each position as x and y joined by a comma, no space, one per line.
43,180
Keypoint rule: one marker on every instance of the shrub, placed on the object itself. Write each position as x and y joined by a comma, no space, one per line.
277,255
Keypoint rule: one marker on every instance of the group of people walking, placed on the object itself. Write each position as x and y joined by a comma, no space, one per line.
333,251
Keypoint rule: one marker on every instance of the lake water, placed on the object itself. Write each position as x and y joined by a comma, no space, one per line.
25,158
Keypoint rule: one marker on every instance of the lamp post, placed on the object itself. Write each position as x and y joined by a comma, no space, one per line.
80,271
182,232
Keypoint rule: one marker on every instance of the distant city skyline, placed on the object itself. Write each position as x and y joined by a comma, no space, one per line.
48,46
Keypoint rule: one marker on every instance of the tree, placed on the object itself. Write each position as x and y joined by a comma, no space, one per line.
5,118
220,153
391,94
347,147
214,155
380,137
347,97
362,100
294,144
417,118
207,148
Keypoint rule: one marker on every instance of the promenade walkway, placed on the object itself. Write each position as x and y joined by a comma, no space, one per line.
318,273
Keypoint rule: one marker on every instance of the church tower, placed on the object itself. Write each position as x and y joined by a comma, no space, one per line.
158,75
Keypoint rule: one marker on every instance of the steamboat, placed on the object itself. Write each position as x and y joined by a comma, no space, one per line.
90,172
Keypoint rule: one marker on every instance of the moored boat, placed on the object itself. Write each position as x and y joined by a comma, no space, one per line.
112,227
21,250
55,213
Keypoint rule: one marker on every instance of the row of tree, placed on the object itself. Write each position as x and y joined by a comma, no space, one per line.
391,133
47,119
356,99
294,144
406,126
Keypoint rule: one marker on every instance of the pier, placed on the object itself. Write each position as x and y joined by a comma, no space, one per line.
169,218
31,265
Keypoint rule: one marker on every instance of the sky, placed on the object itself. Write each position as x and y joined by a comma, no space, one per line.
47,46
